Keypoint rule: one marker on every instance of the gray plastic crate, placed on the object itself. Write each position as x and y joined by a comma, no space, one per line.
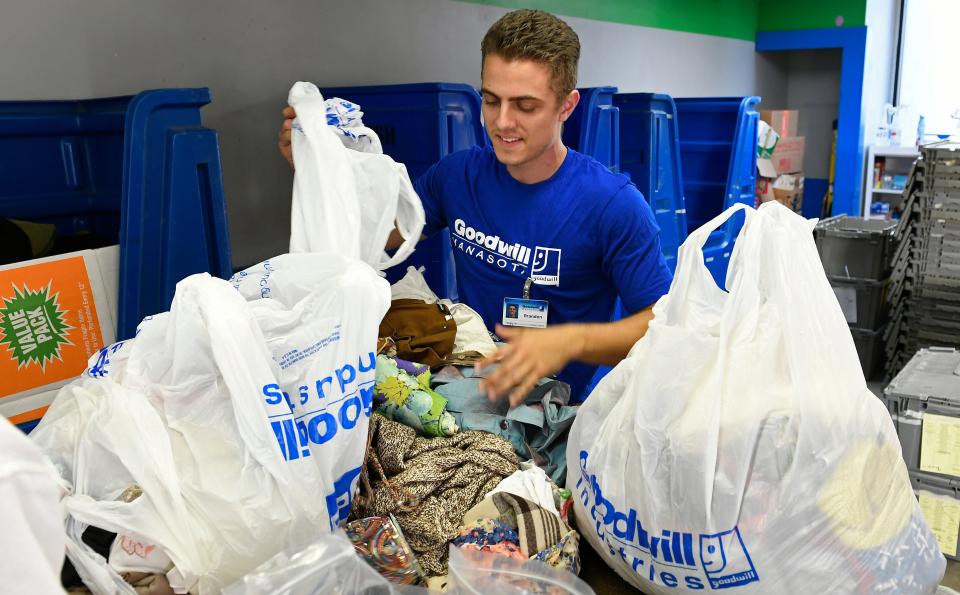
944,169
939,486
928,384
862,301
949,186
855,248
870,349
946,152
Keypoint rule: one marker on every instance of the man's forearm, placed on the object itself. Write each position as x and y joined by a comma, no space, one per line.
607,344
396,240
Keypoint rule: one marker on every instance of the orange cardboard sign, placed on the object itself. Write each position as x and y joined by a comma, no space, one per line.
28,416
48,323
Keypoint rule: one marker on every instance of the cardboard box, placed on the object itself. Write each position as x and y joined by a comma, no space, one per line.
764,191
783,121
766,169
788,155
55,313
766,140
788,190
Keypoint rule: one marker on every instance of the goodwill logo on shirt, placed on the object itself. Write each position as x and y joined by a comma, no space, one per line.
514,257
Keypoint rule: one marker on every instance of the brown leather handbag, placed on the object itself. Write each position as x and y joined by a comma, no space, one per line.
424,333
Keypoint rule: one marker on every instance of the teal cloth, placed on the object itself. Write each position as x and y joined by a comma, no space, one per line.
537,428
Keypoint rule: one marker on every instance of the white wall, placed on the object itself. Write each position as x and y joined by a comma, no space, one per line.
883,21
249,52
772,71
680,64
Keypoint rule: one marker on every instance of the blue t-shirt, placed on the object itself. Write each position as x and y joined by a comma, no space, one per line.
584,236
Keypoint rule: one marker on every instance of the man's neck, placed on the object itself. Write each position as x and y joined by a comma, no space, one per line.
541,167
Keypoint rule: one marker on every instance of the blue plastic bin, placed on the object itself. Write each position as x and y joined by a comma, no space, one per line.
594,126
634,134
650,155
696,156
718,149
418,124
140,171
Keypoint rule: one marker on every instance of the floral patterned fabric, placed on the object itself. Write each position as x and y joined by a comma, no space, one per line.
403,391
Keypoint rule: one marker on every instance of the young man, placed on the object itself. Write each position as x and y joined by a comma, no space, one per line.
530,218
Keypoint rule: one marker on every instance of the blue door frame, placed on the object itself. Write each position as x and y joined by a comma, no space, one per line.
852,41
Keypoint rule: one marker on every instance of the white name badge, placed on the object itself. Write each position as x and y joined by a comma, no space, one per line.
528,313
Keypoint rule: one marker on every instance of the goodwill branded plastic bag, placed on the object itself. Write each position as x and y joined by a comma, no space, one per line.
738,447
241,414
346,201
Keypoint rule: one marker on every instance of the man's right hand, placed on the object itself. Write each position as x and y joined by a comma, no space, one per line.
284,144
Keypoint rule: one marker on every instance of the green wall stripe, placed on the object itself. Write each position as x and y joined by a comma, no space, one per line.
724,18
788,15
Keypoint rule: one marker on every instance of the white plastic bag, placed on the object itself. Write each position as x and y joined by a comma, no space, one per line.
347,121
346,201
328,565
738,447
472,572
331,565
32,538
131,553
243,422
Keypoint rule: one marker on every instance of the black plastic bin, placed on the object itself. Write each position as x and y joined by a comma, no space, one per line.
863,302
855,248
870,349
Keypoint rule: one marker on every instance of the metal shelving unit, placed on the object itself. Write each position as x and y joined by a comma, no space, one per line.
899,159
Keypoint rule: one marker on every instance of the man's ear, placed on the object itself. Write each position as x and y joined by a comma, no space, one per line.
569,104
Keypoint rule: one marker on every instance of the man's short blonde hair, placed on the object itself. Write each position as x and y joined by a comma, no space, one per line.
539,36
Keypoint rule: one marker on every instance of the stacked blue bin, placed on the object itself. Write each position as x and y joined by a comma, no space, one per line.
594,126
650,155
140,171
718,149
418,124
691,158
636,134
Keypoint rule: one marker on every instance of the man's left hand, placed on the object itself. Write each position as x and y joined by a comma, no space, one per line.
530,354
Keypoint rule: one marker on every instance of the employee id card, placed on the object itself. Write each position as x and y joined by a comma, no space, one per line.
525,312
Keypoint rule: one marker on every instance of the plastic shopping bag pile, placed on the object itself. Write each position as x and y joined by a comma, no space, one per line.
234,426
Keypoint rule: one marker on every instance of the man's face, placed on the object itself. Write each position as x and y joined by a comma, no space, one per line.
520,109
512,311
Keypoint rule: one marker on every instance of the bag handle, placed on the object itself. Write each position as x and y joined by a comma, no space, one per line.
693,282
409,220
